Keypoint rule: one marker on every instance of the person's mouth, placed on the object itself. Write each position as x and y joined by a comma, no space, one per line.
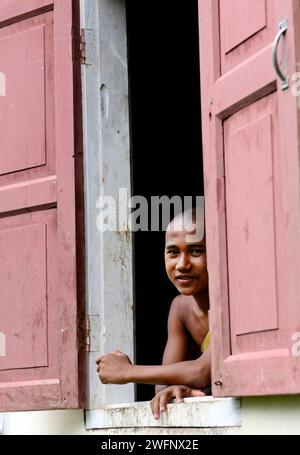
185,279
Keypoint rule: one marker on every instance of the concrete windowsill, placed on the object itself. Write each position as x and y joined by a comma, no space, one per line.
206,412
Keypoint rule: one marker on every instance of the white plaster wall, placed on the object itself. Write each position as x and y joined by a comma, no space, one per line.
44,422
72,423
259,415
271,415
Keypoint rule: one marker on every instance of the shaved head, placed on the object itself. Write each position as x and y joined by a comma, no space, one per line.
191,222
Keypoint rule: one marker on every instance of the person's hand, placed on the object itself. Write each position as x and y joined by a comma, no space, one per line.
178,392
113,368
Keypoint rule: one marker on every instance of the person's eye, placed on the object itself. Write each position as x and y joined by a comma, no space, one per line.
197,251
171,252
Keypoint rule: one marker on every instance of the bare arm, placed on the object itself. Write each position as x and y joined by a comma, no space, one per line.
159,402
177,342
193,373
116,368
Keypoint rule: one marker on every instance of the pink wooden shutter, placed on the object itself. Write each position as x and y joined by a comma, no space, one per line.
38,302
251,160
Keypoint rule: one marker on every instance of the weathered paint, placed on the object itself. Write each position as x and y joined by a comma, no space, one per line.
208,412
251,166
109,270
38,303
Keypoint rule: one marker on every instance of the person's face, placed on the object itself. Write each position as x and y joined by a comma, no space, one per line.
186,263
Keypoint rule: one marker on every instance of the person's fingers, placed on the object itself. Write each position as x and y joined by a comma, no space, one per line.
160,401
165,398
99,369
152,405
178,395
196,393
99,359
155,406
117,352
121,354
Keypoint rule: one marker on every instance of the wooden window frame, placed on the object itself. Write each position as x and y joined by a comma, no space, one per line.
109,285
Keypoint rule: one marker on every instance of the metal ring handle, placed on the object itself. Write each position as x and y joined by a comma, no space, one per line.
282,29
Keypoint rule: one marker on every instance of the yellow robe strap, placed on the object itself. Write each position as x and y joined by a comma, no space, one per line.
205,343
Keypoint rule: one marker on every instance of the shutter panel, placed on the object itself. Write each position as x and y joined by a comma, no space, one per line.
38,302
251,160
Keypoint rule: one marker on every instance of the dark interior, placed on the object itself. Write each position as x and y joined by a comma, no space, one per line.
166,150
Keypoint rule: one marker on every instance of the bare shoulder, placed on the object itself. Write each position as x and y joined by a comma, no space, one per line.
176,319
180,305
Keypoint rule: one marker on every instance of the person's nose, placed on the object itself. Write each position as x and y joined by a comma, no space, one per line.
183,263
